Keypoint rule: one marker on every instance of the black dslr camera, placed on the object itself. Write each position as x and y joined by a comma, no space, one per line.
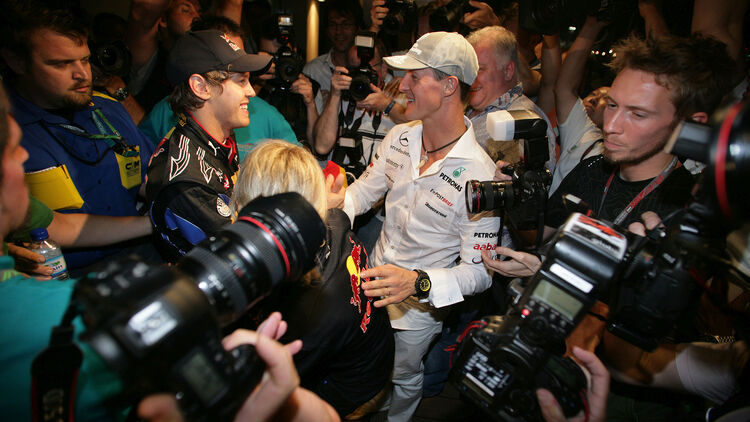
110,57
288,63
401,17
158,327
501,364
363,75
523,198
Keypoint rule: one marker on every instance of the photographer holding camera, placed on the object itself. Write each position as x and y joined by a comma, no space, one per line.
284,85
356,117
659,82
497,88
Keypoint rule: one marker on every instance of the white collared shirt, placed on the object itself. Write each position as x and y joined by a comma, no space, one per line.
427,225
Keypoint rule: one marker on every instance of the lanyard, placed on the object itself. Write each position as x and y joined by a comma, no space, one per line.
114,140
638,198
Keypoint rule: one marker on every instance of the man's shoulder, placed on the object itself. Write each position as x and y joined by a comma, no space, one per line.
318,63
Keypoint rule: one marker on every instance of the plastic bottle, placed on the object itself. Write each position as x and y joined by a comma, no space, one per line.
41,244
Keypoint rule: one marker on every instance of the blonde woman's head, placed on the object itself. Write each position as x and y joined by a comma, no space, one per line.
277,166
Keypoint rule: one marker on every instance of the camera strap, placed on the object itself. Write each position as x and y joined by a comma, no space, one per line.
655,182
54,373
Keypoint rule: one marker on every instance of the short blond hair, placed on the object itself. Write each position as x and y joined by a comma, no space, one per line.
277,166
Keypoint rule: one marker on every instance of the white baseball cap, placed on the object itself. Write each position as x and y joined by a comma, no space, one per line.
448,52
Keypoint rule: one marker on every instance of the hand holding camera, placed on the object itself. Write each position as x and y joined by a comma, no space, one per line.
596,393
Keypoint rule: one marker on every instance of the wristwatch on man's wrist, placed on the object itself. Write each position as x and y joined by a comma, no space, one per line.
121,93
422,285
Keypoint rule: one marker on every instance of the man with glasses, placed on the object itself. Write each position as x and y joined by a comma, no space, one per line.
344,19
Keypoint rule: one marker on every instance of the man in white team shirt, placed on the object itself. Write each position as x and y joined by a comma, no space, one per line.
428,255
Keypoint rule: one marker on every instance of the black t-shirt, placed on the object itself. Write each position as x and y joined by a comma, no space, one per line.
347,352
587,181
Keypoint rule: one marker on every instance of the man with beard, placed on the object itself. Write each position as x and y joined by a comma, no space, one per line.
86,154
659,83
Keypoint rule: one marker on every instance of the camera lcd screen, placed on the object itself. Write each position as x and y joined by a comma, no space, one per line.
556,298
285,20
202,377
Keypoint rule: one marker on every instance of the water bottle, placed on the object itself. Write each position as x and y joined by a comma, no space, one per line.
41,244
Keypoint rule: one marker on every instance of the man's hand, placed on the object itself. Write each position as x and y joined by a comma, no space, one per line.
485,16
596,394
279,381
29,262
650,220
499,175
271,72
303,87
377,14
521,264
394,285
336,193
340,80
376,101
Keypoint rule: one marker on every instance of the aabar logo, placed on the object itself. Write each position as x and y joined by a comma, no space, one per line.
485,247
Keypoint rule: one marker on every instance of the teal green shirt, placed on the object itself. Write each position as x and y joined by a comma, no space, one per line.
265,123
28,311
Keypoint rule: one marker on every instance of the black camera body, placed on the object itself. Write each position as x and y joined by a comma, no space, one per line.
111,57
498,371
159,327
501,365
549,17
362,75
525,194
288,65
401,17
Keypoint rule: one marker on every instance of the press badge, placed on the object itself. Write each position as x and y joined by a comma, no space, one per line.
129,162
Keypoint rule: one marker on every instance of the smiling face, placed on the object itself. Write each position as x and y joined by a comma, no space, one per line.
341,31
14,194
423,92
639,118
595,103
228,103
493,79
57,74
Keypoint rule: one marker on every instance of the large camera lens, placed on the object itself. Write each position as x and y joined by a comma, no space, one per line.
488,195
360,86
274,239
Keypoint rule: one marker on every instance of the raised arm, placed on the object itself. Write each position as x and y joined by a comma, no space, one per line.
141,37
551,62
572,70
326,128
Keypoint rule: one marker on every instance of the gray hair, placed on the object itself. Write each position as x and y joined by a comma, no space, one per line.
502,41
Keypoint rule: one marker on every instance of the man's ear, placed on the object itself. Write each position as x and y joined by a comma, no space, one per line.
16,64
510,71
699,117
451,86
199,86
